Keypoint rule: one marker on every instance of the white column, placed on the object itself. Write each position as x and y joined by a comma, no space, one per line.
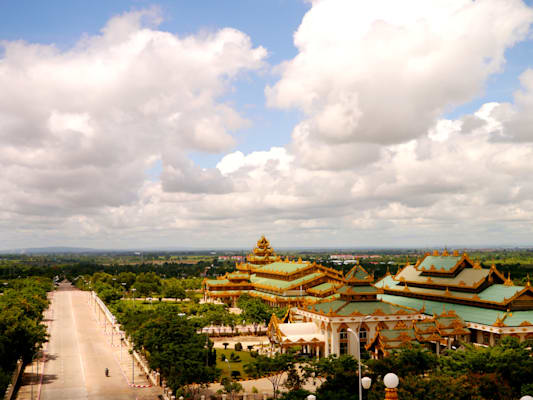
335,340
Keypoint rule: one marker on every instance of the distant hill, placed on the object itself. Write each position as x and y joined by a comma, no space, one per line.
51,250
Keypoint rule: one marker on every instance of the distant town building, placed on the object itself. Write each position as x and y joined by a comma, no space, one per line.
231,258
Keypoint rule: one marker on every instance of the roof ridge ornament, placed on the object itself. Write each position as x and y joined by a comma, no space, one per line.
508,281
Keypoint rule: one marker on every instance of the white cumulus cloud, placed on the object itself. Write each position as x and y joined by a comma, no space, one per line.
384,71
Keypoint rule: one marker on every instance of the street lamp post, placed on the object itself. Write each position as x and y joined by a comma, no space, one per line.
359,352
132,368
229,368
391,382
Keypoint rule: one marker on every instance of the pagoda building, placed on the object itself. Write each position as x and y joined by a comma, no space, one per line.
329,327
277,282
489,303
439,331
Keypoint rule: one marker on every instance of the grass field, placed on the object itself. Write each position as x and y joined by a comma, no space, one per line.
235,366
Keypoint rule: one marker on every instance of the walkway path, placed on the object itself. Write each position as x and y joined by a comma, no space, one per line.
76,357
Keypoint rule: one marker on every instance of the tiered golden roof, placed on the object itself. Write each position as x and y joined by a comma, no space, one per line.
263,253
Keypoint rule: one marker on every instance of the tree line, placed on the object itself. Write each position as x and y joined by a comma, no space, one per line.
22,332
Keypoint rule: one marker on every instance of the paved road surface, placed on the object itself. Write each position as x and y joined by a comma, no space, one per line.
77,355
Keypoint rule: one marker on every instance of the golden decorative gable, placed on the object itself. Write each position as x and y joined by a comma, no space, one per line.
400,325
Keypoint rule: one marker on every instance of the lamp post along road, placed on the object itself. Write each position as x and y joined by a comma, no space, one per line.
359,352
391,383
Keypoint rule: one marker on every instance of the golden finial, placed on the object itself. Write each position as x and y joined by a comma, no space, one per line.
528,284
456,253
508,281
445,252
436,253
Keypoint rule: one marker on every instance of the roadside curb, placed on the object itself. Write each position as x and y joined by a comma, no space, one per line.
139,386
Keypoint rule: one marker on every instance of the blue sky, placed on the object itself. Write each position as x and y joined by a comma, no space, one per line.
354,147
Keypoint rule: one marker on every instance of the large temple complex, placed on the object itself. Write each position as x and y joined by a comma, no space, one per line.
276,281
440,301
489,303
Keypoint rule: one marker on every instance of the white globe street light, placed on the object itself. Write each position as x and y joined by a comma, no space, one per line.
526,397
311,397
391,382
366,382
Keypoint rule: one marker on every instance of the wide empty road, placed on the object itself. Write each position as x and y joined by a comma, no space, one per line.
79,352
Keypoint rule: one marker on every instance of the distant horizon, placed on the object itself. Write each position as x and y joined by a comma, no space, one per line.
77,250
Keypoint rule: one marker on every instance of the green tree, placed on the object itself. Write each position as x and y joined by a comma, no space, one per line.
272,367
231,387
173,289
126,277
147,283
338,375
172,345
411,360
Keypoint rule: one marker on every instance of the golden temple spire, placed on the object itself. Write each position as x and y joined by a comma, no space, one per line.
528,284
508,281
262,253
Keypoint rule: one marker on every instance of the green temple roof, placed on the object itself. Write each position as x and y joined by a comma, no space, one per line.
345,308
499,292
357,272
217,281
323,286
473,314
281,266
469,276
281,284
446,262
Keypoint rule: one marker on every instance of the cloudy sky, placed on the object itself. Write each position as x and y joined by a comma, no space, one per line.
136,124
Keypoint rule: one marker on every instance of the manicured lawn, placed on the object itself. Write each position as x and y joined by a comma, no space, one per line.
235,366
